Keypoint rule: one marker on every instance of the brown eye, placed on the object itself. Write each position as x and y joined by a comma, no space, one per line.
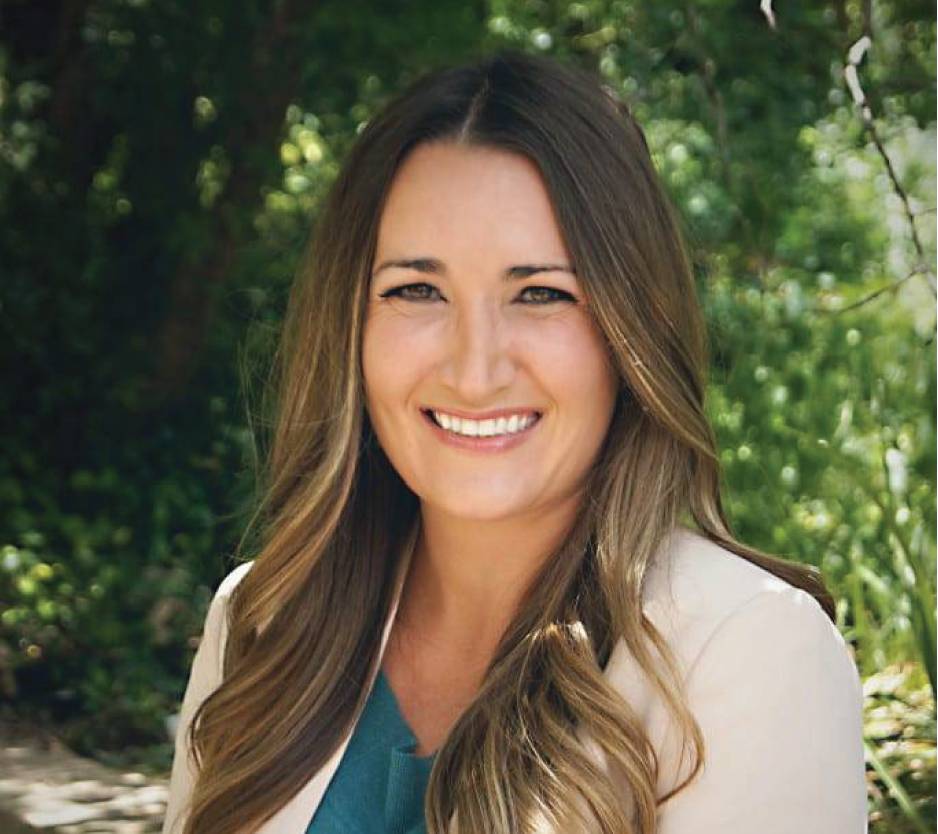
545,298
403,292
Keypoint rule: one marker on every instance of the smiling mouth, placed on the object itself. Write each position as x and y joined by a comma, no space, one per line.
429,415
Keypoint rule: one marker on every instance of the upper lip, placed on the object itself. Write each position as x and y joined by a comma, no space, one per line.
485,415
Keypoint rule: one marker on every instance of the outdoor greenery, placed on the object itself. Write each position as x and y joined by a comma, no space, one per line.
159,167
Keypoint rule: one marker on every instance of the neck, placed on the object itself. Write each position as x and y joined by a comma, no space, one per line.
467,576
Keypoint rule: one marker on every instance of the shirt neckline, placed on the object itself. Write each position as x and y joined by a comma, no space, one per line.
386,685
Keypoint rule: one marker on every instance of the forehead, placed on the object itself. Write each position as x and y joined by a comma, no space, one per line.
465,197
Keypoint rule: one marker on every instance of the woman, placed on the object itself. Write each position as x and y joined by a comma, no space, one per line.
497,590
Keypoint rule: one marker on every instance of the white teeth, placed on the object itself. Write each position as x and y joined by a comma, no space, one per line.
484,428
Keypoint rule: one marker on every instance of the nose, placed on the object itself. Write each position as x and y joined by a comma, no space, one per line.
478,362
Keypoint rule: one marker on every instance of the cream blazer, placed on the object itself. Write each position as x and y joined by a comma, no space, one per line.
769,678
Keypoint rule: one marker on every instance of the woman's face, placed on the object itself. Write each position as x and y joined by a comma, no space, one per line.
469,327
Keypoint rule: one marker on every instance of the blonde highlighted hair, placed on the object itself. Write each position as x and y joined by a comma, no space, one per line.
305,623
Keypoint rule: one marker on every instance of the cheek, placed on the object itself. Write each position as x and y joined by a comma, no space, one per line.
392,359
572,361
376,362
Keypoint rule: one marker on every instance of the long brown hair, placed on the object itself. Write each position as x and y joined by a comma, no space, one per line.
306,621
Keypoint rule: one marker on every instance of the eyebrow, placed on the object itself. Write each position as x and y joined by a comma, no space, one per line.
434,266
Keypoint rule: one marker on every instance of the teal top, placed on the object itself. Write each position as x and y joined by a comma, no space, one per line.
379,785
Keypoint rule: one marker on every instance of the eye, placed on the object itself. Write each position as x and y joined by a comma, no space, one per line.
401,292
558,295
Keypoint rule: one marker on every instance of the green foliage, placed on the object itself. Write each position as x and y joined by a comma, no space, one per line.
159,168
107,574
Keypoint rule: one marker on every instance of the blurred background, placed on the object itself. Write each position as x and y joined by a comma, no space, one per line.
159,166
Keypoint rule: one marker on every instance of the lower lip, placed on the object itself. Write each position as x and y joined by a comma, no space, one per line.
496,443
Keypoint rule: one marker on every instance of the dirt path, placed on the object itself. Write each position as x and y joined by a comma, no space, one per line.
45,787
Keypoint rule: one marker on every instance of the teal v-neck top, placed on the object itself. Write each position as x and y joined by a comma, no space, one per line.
379,785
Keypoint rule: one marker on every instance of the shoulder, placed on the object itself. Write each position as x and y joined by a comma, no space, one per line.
215,629
768,677
701,578
204,678
695,587
725,619
207,665
231,580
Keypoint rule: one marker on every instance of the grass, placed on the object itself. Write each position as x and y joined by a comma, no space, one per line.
899,729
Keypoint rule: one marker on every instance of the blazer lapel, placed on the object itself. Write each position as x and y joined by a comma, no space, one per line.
295,816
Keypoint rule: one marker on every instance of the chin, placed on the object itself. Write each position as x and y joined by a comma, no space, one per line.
476,508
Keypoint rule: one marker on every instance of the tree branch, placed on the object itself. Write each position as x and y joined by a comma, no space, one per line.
876,293
851,75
